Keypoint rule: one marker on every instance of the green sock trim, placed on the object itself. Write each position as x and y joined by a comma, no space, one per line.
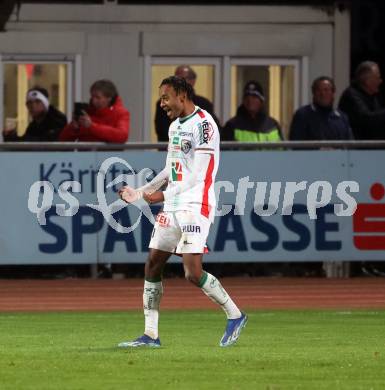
203,279
154,280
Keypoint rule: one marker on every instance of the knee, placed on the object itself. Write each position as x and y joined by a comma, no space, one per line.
151,265
192,277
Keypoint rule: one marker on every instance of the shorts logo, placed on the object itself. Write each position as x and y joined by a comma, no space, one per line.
191,229
176,171
206,132
186,146
163,220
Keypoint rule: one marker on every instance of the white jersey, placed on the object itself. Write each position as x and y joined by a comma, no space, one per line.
196,133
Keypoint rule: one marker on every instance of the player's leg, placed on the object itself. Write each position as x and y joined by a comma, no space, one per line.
152,294
153,290
195,229
210,285
164,239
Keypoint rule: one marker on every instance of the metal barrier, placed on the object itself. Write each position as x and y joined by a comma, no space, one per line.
225,145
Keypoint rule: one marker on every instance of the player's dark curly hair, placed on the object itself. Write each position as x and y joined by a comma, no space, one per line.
180,85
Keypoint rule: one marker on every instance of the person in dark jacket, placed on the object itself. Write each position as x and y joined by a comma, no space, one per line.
319,120
362,104
104,120
47,122
252,123
162,122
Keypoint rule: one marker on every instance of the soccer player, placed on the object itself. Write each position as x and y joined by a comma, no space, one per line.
189,204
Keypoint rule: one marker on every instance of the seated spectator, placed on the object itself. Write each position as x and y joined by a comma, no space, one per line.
47,122
162,122
252,123
319,120
105,119
361,103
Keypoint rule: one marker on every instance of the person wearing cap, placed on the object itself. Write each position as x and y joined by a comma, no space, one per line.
47,121
104,120
320,120
252,123
162,122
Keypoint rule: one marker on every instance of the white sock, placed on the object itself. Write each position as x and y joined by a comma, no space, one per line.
152,294
211,286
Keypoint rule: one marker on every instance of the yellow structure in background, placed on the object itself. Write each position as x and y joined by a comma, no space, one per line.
204,85
22,88
275,92
234,90
62,92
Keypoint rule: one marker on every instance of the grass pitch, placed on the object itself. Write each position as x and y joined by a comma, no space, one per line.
277,350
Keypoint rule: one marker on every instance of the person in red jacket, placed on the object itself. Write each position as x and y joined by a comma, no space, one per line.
104,120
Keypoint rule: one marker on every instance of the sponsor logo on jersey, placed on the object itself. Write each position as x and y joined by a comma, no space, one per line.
185,134
176,171
206,132
175,141
191,229
175,154
186,146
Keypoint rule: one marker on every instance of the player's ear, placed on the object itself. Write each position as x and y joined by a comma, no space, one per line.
184,96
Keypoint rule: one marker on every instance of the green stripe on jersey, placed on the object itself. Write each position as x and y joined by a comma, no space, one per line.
186,118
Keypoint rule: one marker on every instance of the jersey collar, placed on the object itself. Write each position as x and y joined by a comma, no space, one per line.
186,118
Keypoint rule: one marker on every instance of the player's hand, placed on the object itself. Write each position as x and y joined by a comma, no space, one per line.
155,197
128,194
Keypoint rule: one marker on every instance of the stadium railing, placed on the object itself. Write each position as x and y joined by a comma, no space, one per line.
49,146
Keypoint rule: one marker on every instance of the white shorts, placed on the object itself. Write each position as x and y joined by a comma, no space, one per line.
180,232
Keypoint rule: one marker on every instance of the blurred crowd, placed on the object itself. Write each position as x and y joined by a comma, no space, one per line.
103,119
359,114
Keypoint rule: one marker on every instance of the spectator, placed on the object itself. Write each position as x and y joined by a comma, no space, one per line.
362,105
47,122
104,120
319,120
162,122
251,123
